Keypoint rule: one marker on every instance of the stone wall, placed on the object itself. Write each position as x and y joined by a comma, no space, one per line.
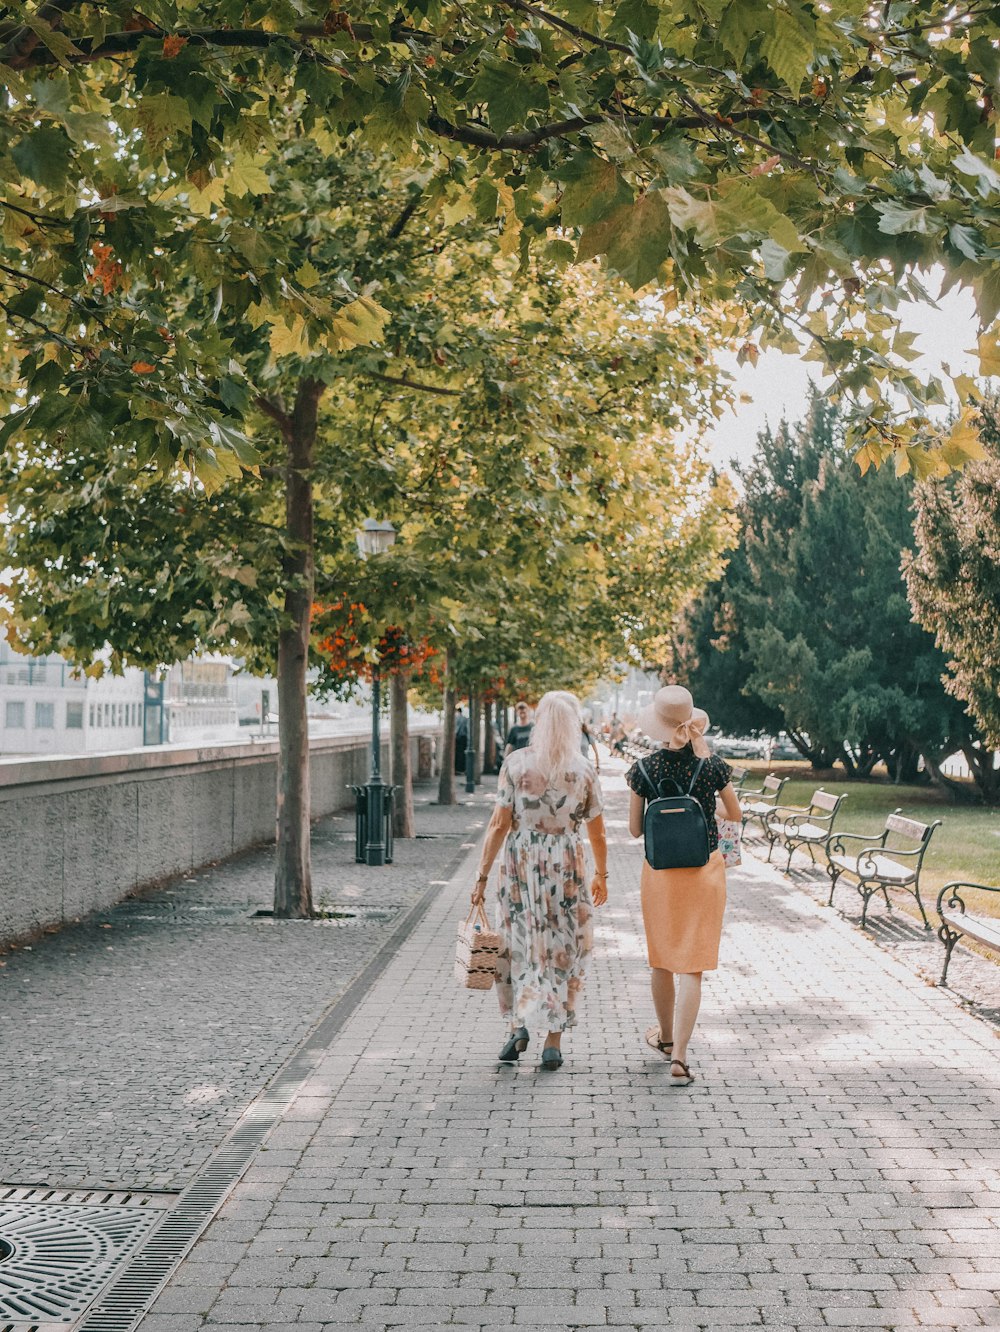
78,834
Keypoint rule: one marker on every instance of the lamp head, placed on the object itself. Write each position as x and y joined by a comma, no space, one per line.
374,537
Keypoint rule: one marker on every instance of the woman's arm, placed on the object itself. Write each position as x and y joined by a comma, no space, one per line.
730,803
599,845
636,809
498,829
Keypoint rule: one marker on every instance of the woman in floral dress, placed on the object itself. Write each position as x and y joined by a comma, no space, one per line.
546,795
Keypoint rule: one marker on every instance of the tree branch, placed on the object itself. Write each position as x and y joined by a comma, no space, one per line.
124,43
396,230
403,382
21,42
277,413
564,26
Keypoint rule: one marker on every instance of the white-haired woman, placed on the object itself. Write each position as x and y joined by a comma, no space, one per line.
546,795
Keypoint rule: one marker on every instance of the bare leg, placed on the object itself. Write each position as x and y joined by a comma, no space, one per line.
661,983
552,1040
686,1012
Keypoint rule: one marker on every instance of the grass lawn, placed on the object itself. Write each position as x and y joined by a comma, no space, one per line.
966,846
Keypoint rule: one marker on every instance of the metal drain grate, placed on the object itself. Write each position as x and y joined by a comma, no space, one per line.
338,914
93,1197
177,912
123,1303
61,1255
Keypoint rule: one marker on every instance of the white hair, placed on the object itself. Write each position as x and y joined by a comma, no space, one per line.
555,737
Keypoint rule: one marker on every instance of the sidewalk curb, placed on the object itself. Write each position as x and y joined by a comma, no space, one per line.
123,1304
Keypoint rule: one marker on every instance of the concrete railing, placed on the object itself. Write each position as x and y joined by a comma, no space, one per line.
79,834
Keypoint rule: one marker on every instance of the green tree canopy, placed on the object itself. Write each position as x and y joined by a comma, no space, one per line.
516,422
806,162
827,635
953,578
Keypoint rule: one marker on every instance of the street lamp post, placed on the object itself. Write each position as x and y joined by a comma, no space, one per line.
375,538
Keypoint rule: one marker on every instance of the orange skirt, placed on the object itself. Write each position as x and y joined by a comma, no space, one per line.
682,911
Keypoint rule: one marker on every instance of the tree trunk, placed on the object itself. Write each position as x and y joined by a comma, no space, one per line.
293,869
402,777
490,747
959,792
446,781
475,734
985,774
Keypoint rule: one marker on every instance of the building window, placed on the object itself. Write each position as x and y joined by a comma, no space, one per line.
74,716
45,716
15,716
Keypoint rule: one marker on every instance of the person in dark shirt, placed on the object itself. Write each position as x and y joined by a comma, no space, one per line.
520,733
461,739
682,909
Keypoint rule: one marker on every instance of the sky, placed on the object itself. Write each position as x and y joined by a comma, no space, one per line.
779,383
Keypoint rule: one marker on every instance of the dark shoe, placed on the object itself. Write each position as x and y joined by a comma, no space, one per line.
551,1058
682,1079
517,1043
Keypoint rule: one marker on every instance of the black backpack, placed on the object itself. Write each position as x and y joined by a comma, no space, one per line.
674,826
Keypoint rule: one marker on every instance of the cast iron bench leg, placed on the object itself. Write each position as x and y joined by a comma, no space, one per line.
949,938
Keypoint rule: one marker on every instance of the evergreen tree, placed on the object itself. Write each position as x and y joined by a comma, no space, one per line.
953,578
814,610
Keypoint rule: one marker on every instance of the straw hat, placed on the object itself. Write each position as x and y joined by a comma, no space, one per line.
673,718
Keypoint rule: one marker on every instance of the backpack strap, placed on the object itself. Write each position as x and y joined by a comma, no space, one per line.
646,778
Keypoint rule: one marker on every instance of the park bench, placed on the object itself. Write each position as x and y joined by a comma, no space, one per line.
877,866
956,921
801,825
739,776
755,803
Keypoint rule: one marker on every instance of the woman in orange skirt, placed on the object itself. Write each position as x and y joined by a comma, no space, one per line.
682,909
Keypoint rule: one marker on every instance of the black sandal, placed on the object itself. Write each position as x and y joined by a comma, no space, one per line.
516,1045
686,1078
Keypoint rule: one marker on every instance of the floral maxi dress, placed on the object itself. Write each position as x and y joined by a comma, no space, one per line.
544,908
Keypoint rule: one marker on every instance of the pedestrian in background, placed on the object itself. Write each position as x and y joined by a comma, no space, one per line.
588,746
520,733
547,794
461,739
682,909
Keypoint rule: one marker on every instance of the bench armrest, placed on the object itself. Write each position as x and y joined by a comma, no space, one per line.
897,855
796,819
788,809
833,842
954,894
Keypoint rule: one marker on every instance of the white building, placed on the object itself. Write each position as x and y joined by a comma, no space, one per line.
46,708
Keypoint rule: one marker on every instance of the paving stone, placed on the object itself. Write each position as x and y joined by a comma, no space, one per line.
835,1164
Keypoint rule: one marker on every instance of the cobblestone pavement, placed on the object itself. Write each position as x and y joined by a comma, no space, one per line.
973,979
835,1165
132,1042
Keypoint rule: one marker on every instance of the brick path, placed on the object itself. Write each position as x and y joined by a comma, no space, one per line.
835,1165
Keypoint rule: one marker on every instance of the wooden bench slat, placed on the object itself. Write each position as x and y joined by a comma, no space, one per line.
899,823
880,867
824,800
806,831
982,929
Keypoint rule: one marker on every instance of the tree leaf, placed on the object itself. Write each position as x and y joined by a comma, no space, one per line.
44,156
510,95
246,178
897,218
788,49
592,188
635,239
